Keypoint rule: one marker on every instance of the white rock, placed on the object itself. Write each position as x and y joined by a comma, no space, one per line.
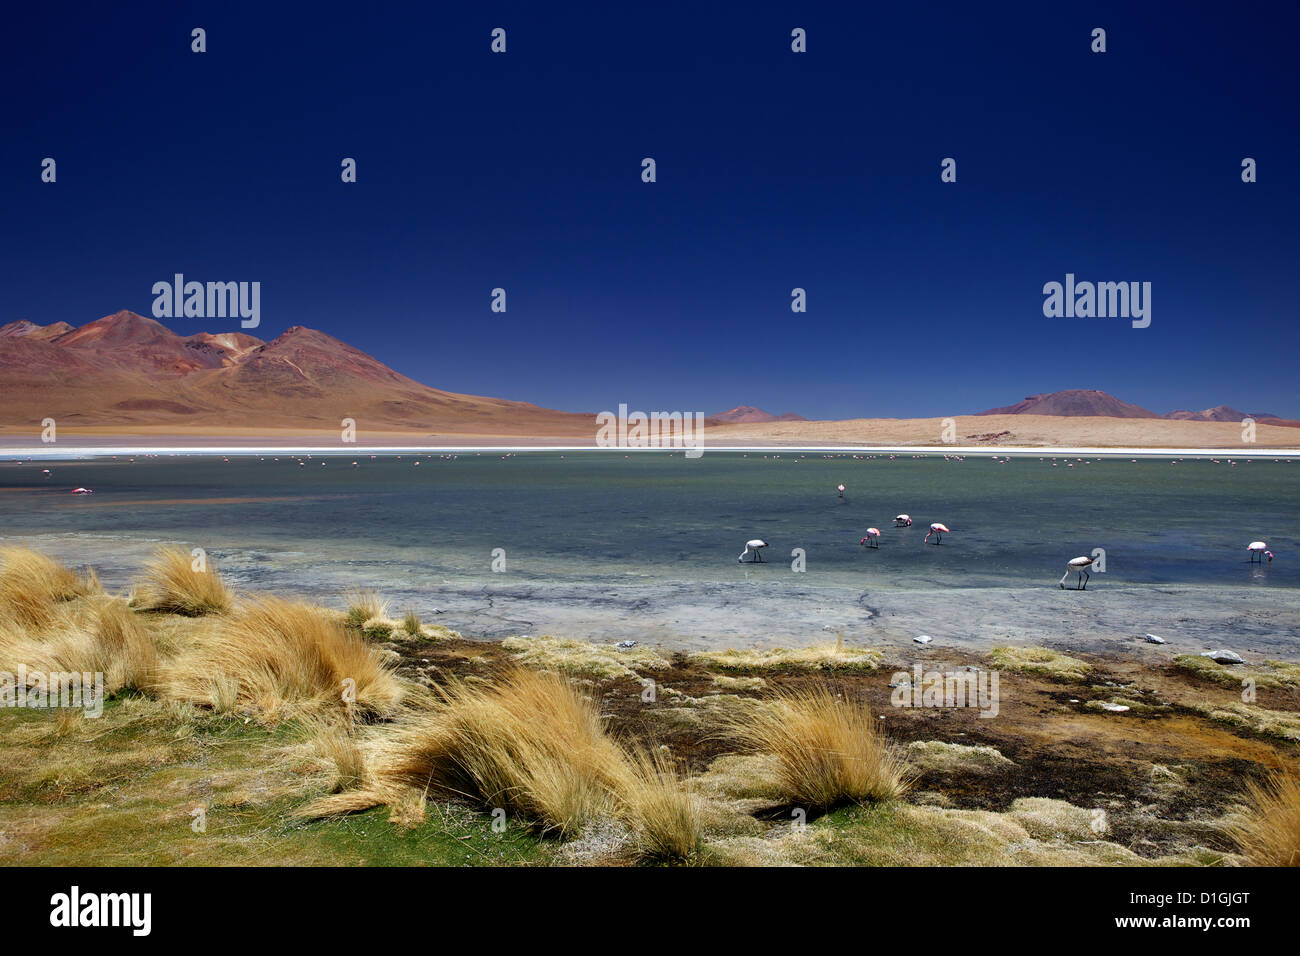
1222,656
923,639
1113,708
1154,639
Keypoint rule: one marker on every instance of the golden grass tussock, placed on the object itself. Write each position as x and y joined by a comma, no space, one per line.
98,634
33,586
530,745
280,658
828,656
1041,661
1269,831
335,744
665,818
582,657
363,605
1267,674
1284,724
829,751
180,583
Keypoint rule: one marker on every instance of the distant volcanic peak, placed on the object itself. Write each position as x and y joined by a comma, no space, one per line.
1219,413
120,328
30,330
1075,402
744,414
232,344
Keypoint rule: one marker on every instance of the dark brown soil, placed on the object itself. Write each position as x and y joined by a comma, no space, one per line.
1060,748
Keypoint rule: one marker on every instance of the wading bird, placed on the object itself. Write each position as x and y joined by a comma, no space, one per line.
755,547
1258,551
870,541
938,530
903,521
1079,566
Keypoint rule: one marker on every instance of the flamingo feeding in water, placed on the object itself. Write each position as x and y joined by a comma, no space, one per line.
1259,550
903,521
938,530
82,491
870,541
1079,566
755,547
841,490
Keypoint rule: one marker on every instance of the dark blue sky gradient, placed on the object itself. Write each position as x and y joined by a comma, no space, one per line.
775,170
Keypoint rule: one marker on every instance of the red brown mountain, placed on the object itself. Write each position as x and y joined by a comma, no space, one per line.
744,414
25,329
1093,403
1219,413
1074,402
125,369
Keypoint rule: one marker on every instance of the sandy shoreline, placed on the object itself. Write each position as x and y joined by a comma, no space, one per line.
971,432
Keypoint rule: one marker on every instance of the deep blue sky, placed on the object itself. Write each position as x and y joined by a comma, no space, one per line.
775,170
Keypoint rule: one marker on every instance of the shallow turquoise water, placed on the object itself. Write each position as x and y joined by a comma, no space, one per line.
601,517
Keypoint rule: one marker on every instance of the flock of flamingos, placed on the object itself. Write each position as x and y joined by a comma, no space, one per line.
1079,566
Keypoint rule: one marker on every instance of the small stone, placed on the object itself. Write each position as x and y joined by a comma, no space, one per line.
1222,656
1154,639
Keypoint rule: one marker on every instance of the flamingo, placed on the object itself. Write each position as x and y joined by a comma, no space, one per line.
841,491
755,547
870,540
82,491
903,521
1080,566
1259,550
939,530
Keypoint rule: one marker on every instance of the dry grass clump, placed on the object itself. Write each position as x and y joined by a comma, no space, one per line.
530,745
363,605
952,758
335,743
1275,723
1269,833
391,629
411,624
1041,661
581,657
533,746
1267,674
829,751
665,818
173,585
819,657
99,634
274,654
33,586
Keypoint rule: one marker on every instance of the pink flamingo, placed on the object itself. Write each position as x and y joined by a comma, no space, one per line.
903,521
1259,551
938,530
1079,566
870,541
